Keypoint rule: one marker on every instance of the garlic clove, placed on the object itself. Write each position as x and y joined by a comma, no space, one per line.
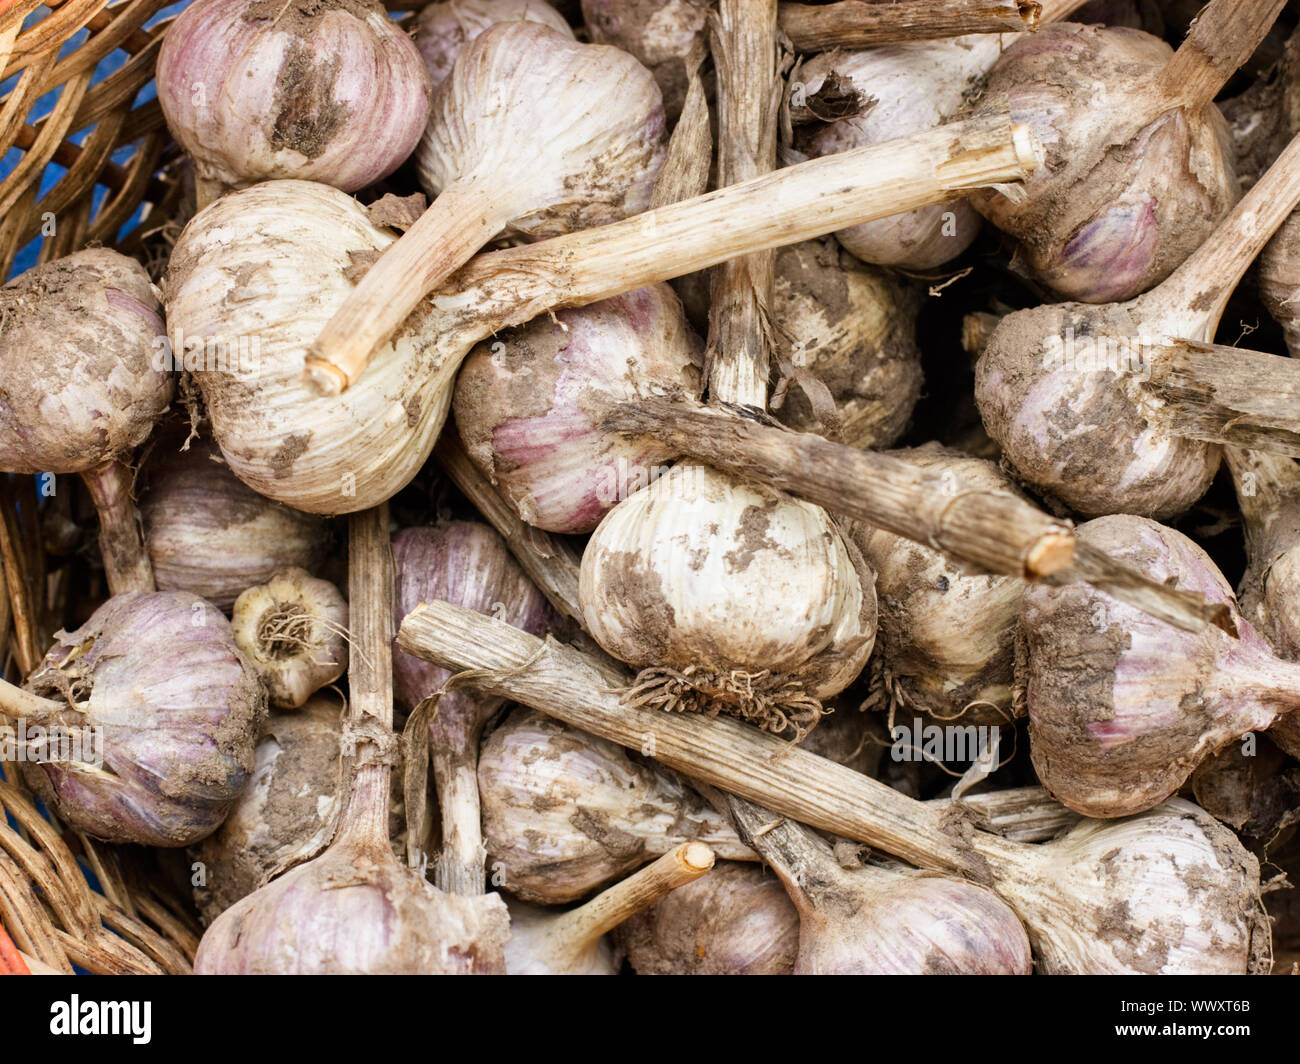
292,630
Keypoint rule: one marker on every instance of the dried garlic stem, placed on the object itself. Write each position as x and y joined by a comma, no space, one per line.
370,671
994,530
1223,36
16,703
685,172
461,859
855,24
744,51
1226,395
1023,814
126,562
580,927
510,287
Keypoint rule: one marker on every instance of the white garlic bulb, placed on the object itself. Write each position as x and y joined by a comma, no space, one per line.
251,282
444,28
746,598
292,629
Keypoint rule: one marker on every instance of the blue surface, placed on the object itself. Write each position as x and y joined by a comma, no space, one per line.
109,64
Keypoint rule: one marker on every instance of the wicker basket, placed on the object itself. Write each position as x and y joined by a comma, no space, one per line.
67,900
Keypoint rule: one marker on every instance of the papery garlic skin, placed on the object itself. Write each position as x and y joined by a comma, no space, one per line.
702,569
1123,706
1103,231
355,910
854,329
947,635
285,815
565,813
1167,892
901,922
596,110
326,90
659,33
737,920
210,534
1279,280
160,677
912,87
1059,387
251,282
444,28
528,404
79,347
292,630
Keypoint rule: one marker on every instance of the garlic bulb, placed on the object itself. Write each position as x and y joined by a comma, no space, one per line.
1121,706
528,404
737,920
213,536
912,86
1140,162
854,329
877,920
1251,786
292,630
589,120
444,28
326,90
565,813
83,387
1060,387
947,634
156,687
251,280
574,942
659,33
736,595
284,816
469,564
1168,891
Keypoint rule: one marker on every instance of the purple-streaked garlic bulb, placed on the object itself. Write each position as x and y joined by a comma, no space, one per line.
1139,168
165,712
210,534
737,920
588,120
356,909
947,635
444,28
1060,387
883,920
854,329
659,33
1268,492
324,90
565,813
546,942
83,385
285,815
293,631
730,596
469,564
907,88
1122,707
528,404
